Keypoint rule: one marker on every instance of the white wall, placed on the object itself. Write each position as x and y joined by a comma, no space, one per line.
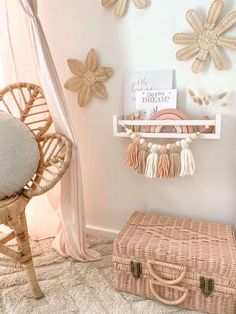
141,41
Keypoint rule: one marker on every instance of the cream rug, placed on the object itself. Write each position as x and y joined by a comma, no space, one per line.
72,287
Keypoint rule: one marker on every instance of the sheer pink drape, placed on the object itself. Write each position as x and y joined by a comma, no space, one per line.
17,64
70,239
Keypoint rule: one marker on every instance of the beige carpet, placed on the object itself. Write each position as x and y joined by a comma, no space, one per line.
72,287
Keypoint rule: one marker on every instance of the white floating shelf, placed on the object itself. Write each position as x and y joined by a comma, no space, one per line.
119,123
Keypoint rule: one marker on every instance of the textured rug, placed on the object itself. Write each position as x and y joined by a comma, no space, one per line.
72,287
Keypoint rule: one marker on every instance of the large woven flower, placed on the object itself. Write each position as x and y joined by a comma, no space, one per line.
122,5
207,37
88,79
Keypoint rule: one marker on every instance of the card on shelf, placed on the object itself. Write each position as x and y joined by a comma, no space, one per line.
150,101
144,81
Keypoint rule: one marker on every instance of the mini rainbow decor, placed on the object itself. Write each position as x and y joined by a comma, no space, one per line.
169,114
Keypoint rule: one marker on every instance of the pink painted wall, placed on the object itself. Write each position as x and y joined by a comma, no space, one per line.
141,41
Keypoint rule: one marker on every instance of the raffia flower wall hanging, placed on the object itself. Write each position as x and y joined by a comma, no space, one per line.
207,37
122,5
88,79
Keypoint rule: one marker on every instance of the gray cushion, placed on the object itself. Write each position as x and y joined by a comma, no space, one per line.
19,155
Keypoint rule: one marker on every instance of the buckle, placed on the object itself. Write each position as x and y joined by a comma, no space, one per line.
136,269
207,285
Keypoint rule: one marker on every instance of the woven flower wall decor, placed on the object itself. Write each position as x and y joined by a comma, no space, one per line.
88,79
207,38
122,5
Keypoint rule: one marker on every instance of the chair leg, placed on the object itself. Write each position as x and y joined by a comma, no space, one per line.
32,280
21,232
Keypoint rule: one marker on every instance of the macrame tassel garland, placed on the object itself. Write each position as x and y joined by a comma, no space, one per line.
187,160
174,161
152,162
142,156
164,163
131,153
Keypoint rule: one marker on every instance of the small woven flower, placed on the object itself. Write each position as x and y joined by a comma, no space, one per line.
207,37
88,79
122,5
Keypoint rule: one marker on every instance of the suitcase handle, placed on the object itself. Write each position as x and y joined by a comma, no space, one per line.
181,268
153,283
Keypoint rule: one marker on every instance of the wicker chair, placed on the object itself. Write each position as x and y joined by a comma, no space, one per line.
27,102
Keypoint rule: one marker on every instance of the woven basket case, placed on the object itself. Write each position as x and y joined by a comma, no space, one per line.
177,261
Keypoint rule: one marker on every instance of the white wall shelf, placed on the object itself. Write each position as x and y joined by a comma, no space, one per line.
119,123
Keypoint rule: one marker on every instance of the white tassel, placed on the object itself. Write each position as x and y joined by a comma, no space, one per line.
152,163
187,160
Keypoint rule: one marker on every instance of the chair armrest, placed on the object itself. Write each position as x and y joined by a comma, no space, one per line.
56,153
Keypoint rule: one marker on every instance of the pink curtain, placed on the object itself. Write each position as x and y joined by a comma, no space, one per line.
17,64
70,238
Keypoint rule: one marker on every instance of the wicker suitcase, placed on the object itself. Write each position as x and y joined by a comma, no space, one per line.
177,261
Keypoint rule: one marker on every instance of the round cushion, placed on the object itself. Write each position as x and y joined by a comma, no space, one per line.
19,155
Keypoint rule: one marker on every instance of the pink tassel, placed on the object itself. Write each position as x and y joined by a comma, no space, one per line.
131,154
164,163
